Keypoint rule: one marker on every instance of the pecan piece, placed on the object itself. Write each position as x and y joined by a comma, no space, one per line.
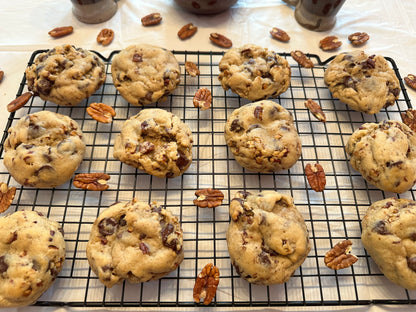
192,69
316,177
410,81
101,112
340,257
187,31
151,19
61,31
6,196
330,43
105,36
206,284
19,102
301,58
409,118
315,109
358,38
279,34
203,99
220,40
1,75
91,181
208,197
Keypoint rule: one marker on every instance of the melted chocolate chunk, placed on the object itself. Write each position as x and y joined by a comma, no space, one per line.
380,228
182,161
3,265
166,231
264,257
411,263
258,112
137,58
122,221
235,126
107,226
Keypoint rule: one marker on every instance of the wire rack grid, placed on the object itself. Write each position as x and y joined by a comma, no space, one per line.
331,216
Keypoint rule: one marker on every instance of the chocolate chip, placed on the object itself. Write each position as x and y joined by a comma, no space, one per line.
44,168
411,263
264,257
44,86
36,265
413,236
13,238
349,82
144,126
157,209
146,148
395,91
182,161
394,164
106,268
137,58
166,231
107,226
258,112
380,228
235,126
3,265
144,248
122,221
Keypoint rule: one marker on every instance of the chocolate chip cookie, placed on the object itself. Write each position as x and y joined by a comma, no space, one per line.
262,137
365,83
155,141
134,241
65,75
32,252
389,236
385,155
145,74
254,73
44,149
267,237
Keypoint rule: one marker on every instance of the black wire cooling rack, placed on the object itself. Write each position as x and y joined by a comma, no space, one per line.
331,216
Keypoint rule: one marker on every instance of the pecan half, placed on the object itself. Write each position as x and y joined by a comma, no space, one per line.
279,34
301,58
203,99
192,69
151,19
1,75
358,38
105,36
409,118
315,109
410,81
330,43
220,40
101,112
340,257
91,181
61,31
316,177
6,196
208,197
19,102
187,31
206,284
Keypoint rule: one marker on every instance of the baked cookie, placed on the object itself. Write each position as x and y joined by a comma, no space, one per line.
134,241
389,236
254,73
365,83
65,75
262,137
32,252
44,149
267,237
385,155
145,74
155,141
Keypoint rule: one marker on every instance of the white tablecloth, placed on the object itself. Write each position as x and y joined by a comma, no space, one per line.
25,25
